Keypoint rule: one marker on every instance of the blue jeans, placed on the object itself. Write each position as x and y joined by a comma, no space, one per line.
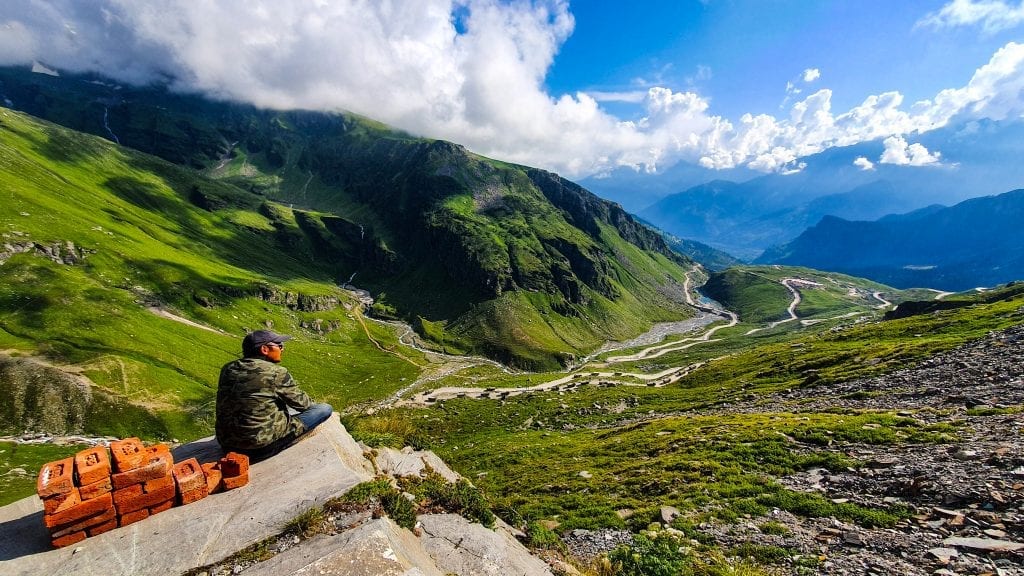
316,415
312,417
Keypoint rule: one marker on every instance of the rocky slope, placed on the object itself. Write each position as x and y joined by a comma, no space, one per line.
966,495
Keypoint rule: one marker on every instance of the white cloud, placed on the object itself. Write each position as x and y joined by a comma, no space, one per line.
898,152
634,96
864,164
476,78
992,15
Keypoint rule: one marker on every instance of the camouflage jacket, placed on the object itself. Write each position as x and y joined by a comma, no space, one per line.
253,397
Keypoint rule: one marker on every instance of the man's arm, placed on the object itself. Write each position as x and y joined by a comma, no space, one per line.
292,395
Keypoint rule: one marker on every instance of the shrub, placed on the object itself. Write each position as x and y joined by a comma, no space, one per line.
379,494
539,537
658,555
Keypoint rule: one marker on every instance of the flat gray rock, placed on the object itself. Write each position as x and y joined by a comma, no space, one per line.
984,544
461,547
377,548
319,467
408,462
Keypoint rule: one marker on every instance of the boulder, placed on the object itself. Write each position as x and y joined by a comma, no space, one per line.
377,548
461,547
409,462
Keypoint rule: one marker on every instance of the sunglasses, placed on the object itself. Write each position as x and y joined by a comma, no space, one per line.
281,346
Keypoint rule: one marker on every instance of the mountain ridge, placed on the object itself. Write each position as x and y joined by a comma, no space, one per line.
398,213
973,243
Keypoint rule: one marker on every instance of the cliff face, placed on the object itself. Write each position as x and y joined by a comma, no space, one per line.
212,530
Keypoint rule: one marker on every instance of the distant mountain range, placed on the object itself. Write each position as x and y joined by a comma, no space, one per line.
742,214
977,242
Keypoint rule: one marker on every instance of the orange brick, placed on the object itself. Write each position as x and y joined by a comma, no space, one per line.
95,490
236,481
89,522
79,511
124,495
105,527
56,478
128,454
131,499
156,466
68,540
194,495
161,507
158,484
189,476
234,464
61,502
92,465
214,477
133,517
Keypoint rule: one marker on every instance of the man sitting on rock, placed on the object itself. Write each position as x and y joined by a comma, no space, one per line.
260,409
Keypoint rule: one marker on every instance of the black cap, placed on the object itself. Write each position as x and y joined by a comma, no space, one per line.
254,340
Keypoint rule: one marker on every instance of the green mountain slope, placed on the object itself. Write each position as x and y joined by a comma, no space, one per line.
757,293
479,255
97,238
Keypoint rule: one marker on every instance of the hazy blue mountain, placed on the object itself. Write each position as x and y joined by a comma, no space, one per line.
636,190
974,243
714,260
743,219
744,216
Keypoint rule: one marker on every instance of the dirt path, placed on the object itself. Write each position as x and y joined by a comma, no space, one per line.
171,316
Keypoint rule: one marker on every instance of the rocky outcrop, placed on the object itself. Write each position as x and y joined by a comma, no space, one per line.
461,547
297,300
377,548
60,252
209,532
41,398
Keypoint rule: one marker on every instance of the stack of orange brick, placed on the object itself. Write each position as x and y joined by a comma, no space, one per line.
74,509
143,480
86,495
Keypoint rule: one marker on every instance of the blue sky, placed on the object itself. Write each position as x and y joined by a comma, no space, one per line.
578,87
741,54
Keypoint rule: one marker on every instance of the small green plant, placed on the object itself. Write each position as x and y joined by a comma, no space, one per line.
761,553
657,555
539,537
460,497
258,552
381,495
308,523
774,528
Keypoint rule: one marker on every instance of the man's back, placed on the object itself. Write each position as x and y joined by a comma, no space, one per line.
253,396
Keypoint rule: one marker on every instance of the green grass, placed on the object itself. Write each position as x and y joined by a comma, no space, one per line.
20,464
645,447
146,245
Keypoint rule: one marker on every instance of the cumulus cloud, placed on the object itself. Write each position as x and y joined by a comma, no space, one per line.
899,152
864,164
470,71
991,15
